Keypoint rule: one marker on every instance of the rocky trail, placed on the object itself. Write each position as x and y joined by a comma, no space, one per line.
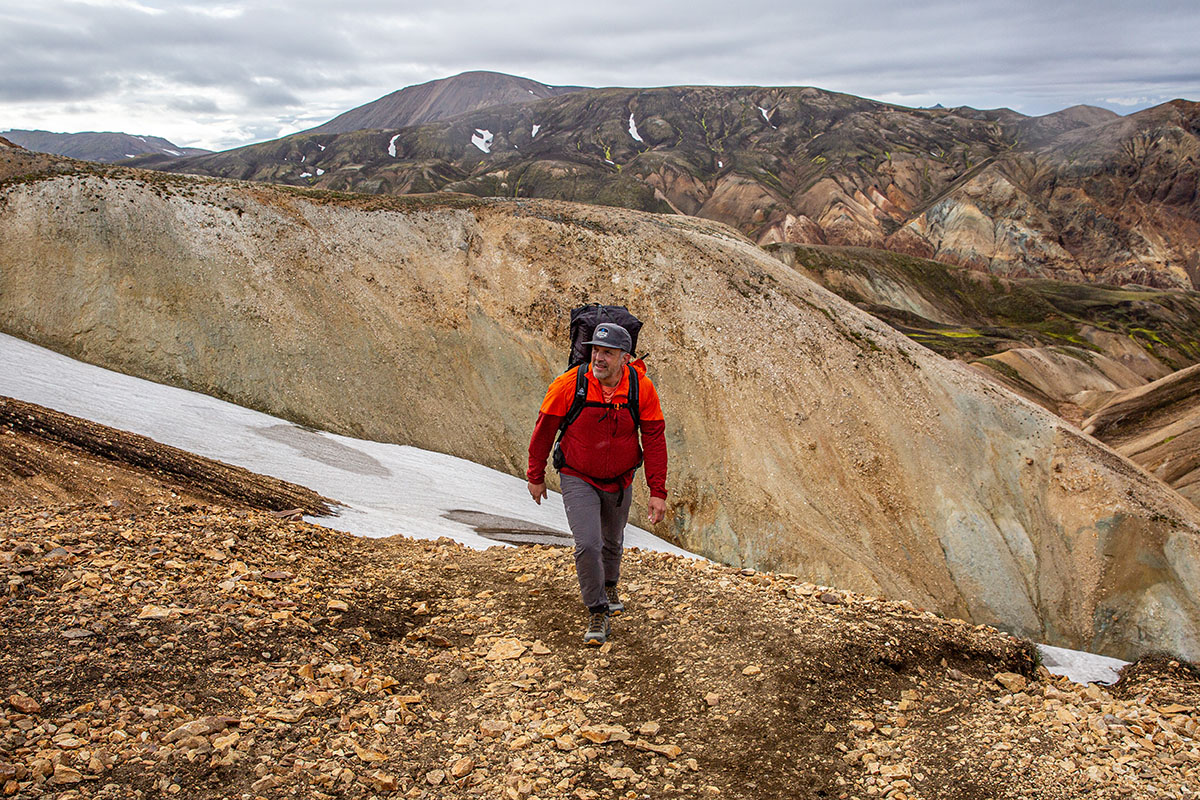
187,648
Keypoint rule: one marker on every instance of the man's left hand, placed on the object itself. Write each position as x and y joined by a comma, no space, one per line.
657,509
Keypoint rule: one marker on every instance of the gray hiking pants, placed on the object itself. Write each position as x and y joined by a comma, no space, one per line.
597,522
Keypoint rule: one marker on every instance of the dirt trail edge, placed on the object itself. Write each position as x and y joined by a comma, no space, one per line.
48,456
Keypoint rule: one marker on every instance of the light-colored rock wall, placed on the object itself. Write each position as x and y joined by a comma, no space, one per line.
804,435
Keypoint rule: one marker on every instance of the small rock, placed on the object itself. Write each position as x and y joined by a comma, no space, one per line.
337,605
712,698
649,729
1011,681
285,714
600,734
493,727
668,750
77,633
435,777
893,771
369,755
505,649
462,767
64,775
154,612
830,599
266,783
199,727
26,705
540,649
753,669
381,781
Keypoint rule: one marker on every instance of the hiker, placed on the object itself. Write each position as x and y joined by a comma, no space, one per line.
597,456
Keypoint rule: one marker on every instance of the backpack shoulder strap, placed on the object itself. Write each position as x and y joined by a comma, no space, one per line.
578,400
635,407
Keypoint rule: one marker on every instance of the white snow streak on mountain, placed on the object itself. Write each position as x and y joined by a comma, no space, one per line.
483,140
387,488
633,131
391,146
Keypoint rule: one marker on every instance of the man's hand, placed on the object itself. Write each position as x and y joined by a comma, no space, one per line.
657,510
537,491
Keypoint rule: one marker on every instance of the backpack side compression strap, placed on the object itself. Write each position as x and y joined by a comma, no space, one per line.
635,408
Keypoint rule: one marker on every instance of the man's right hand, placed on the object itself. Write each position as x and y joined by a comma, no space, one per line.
537,491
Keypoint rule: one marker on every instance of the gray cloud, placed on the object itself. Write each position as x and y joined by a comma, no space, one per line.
242,70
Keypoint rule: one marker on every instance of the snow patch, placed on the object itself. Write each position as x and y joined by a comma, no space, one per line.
320,171
303,158
323,146
766,119
366,476
172,152
536,128
483,140
1079,666
143,138
633,131
391,146
130,155
720,164
609,161
305,174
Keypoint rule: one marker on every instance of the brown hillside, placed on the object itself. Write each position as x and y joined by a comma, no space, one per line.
1157,426
804,435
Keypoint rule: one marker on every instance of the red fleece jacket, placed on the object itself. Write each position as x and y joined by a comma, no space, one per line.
601,446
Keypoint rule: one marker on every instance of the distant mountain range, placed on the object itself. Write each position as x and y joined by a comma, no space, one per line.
1081,195
108,147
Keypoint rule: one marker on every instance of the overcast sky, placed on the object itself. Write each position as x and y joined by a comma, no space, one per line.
222,74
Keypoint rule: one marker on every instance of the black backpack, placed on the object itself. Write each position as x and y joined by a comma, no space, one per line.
583,323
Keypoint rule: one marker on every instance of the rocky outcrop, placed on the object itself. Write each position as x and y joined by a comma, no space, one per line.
804,434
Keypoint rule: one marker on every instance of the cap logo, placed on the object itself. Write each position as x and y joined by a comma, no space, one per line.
601,333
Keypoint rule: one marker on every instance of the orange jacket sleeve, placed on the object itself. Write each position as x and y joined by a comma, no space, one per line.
554,408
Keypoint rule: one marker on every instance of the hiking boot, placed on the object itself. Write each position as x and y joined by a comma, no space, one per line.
615,606
597,629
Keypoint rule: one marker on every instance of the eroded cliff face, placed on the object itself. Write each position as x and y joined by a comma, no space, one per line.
804,435
1114,203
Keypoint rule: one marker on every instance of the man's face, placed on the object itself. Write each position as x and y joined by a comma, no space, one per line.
607,362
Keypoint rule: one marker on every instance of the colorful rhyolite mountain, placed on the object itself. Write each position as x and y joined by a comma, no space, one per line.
1080,195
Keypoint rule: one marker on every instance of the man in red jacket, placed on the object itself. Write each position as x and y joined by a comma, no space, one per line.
600,454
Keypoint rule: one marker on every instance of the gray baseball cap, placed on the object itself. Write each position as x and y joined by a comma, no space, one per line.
610,334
